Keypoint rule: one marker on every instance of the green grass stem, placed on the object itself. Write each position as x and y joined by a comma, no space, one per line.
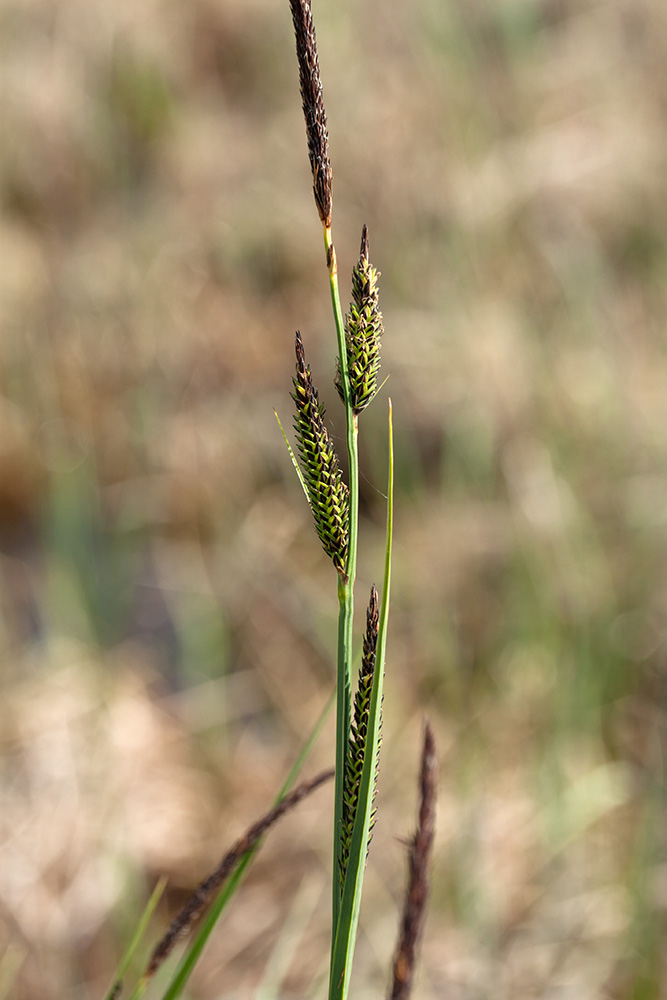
137,938
346,929
345,584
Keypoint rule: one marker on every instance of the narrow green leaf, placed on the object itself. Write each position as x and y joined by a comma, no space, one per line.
346,931
345,584
144,920
191,957
293,457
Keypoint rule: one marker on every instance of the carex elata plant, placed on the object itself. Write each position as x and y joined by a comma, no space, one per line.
335,508
336,514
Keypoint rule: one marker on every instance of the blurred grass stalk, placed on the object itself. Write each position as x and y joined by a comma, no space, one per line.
216,891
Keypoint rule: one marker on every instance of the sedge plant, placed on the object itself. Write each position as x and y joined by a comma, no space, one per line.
335,508
334,504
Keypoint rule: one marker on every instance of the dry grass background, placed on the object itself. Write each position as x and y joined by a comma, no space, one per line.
167,616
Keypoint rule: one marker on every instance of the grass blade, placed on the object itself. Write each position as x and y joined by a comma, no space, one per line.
293,457
144,920
346,931
191,957
345,583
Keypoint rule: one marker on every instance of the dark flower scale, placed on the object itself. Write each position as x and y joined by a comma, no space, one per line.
313,107
359,730
363,331
327,493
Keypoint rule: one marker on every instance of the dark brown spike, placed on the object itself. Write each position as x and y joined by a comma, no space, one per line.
371,634
300,352
313,107
358,740
414,907
206,890
363,253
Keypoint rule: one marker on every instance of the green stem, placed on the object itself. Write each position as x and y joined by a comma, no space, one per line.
345,583
346,931
137,937
343,712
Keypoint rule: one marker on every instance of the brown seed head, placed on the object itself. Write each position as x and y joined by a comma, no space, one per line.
363,253
206,890
313,107
358,741
414,907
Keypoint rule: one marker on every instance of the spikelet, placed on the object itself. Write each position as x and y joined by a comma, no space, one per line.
359,732
363,330
328,495
313,108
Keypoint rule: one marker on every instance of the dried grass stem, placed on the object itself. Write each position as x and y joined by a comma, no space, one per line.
205,891
414,908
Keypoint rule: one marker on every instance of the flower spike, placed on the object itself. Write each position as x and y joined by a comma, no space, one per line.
359,731
328,495
363,330
313,108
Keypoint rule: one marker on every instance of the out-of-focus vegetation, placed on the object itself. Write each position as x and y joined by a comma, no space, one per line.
167,616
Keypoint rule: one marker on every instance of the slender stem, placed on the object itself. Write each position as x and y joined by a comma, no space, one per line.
343,712
137,937
345,583
346,931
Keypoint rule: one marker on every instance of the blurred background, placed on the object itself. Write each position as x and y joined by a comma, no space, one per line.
167,617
